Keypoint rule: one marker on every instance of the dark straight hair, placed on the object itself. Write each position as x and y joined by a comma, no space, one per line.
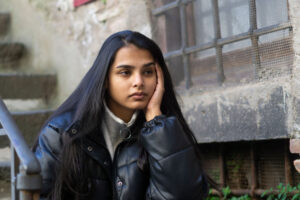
86,102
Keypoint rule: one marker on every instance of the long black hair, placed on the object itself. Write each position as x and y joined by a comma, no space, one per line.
86,102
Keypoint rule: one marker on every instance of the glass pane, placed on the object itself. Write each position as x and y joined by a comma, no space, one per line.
237,62
172,29
203,69
203,21
276,54
175,66
270,12
168,37
234,17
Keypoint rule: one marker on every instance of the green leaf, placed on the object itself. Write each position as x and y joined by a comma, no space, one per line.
296,197
270,197
226,191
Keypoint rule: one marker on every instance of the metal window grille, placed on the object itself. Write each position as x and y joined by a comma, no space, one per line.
263,43
250,167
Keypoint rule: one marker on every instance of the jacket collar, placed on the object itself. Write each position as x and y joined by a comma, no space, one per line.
119,120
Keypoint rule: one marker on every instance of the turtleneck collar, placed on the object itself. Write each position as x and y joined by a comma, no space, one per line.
119,120
115,130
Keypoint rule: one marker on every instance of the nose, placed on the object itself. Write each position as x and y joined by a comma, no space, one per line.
138,81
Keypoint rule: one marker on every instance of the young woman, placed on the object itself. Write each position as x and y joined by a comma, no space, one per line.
121,133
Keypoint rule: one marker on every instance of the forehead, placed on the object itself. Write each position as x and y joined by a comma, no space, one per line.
132,55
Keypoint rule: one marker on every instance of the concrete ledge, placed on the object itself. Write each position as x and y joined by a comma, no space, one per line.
245,113
4,22
11,51
27,86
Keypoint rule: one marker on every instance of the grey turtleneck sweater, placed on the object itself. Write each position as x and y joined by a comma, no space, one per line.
115,129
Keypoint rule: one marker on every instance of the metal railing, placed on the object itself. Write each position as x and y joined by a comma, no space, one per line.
26,181
253,33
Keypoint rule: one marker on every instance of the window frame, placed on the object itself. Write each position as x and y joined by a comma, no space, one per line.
185,51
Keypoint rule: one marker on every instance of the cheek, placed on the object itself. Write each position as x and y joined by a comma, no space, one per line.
152,86
114,88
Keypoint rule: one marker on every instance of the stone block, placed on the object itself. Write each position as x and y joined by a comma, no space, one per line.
295,145
297,165
257,113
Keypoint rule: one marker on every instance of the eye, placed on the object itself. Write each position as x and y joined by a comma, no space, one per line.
124,72
149,72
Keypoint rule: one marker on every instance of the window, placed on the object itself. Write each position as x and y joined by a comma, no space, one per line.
250,167
223,42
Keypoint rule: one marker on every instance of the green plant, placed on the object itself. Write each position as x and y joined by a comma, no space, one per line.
284,193
226,193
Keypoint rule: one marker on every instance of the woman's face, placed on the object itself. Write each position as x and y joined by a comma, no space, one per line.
131,80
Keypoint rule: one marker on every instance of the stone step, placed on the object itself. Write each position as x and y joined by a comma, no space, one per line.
4,23
11,52
5,190
5,171
27,85
5,180
29,123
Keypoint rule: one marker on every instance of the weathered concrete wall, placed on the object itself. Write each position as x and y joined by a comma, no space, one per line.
268,108
294,7
66,40
255,111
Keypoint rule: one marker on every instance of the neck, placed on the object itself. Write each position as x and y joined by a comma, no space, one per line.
121,112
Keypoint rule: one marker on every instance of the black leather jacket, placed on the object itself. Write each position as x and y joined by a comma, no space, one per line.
174,172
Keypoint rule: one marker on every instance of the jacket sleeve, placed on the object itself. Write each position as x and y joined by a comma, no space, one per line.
47,152
175,172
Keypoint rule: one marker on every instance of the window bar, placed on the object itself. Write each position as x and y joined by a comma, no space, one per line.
219,57
254,38
253,170
169,6
231,39
185,57
222,166
287,164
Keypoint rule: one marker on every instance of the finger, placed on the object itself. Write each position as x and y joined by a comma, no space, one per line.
160,76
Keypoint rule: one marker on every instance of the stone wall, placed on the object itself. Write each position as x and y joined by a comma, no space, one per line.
64,39
294,7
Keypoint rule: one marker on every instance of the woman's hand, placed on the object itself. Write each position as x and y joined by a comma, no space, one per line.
153,108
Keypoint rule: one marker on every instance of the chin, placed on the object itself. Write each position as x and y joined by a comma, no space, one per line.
139,105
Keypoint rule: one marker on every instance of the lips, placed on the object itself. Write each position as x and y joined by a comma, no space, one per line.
138,95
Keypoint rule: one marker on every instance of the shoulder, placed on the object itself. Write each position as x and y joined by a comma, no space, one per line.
62,122
51,135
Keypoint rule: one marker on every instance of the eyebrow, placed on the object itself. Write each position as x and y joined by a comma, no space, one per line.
130,66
